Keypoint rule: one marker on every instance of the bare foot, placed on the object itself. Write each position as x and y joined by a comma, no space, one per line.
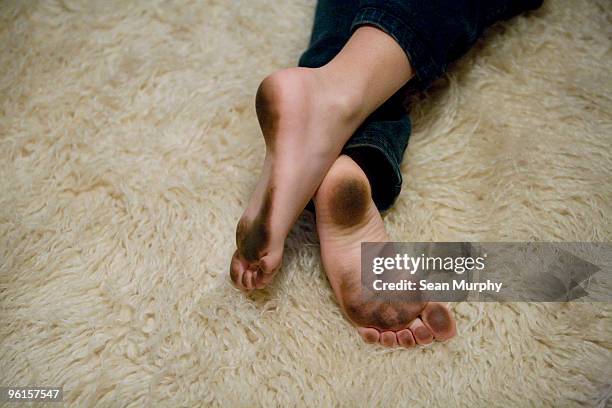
306,116
305,120
347,216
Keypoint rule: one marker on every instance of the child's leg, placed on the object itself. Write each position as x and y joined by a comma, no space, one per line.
307,116
432,33
331,31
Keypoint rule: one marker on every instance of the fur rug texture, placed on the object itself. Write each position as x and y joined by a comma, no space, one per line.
128,149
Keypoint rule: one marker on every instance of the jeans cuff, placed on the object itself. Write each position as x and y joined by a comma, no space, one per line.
373,155
423,63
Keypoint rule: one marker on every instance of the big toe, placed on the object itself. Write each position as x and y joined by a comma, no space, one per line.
266,269
439,321
238,268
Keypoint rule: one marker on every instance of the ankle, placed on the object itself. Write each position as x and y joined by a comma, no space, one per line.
342,96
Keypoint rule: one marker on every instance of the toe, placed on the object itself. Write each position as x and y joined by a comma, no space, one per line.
260,281
405,338
256,275
439,321
270,262
247,279
421,333
267,267
369,334
388,339
236,270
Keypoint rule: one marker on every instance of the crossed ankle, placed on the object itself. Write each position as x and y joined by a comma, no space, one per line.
343,96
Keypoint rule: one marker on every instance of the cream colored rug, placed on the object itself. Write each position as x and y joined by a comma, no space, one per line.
128,149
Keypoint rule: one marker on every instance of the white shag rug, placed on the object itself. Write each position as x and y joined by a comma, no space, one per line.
128,149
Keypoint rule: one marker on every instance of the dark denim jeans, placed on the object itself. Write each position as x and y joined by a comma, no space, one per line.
433,33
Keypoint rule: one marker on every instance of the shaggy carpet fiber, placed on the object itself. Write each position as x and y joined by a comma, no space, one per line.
128,149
